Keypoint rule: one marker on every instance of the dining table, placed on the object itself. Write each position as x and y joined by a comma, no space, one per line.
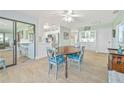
67,50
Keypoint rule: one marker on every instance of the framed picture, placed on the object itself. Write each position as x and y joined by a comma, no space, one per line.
66,35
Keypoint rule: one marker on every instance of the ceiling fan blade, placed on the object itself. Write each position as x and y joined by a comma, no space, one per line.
70,12
77,15
59,14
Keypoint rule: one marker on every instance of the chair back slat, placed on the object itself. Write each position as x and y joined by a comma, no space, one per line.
51,53
81,52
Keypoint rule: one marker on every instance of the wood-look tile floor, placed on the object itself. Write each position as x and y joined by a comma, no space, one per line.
8,56
93,70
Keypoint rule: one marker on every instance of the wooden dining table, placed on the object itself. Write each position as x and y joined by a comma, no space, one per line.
66,50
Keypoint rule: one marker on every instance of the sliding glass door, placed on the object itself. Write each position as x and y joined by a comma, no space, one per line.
25,42
7,45
17,41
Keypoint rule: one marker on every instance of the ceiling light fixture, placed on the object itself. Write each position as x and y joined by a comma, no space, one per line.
69,15
68,19
46,26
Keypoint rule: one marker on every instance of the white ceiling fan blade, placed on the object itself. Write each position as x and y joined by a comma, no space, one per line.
59,14
77,15
70,12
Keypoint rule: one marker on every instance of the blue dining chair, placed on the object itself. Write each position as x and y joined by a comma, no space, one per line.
77,57
54,59
77,45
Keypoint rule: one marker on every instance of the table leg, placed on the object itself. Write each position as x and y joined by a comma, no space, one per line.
66,67
109,62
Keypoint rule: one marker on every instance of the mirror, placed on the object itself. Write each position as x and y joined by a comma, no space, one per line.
6,41
25,42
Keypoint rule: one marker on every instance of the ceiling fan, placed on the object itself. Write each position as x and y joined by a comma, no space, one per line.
69,15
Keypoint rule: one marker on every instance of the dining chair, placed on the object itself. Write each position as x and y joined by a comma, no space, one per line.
54,59
2,63
77,57
77,45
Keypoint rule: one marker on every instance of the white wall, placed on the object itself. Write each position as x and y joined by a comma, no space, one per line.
74,37
17,16
40,42
104,38
89,45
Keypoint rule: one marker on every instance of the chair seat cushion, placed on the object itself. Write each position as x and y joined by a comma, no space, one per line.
59,59
71,55
74,57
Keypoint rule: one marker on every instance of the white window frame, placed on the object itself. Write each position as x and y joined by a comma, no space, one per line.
87,36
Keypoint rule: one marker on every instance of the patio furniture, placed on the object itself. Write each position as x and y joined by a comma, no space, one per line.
54,59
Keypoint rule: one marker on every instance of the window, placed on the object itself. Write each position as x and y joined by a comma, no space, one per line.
121,33
88,36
